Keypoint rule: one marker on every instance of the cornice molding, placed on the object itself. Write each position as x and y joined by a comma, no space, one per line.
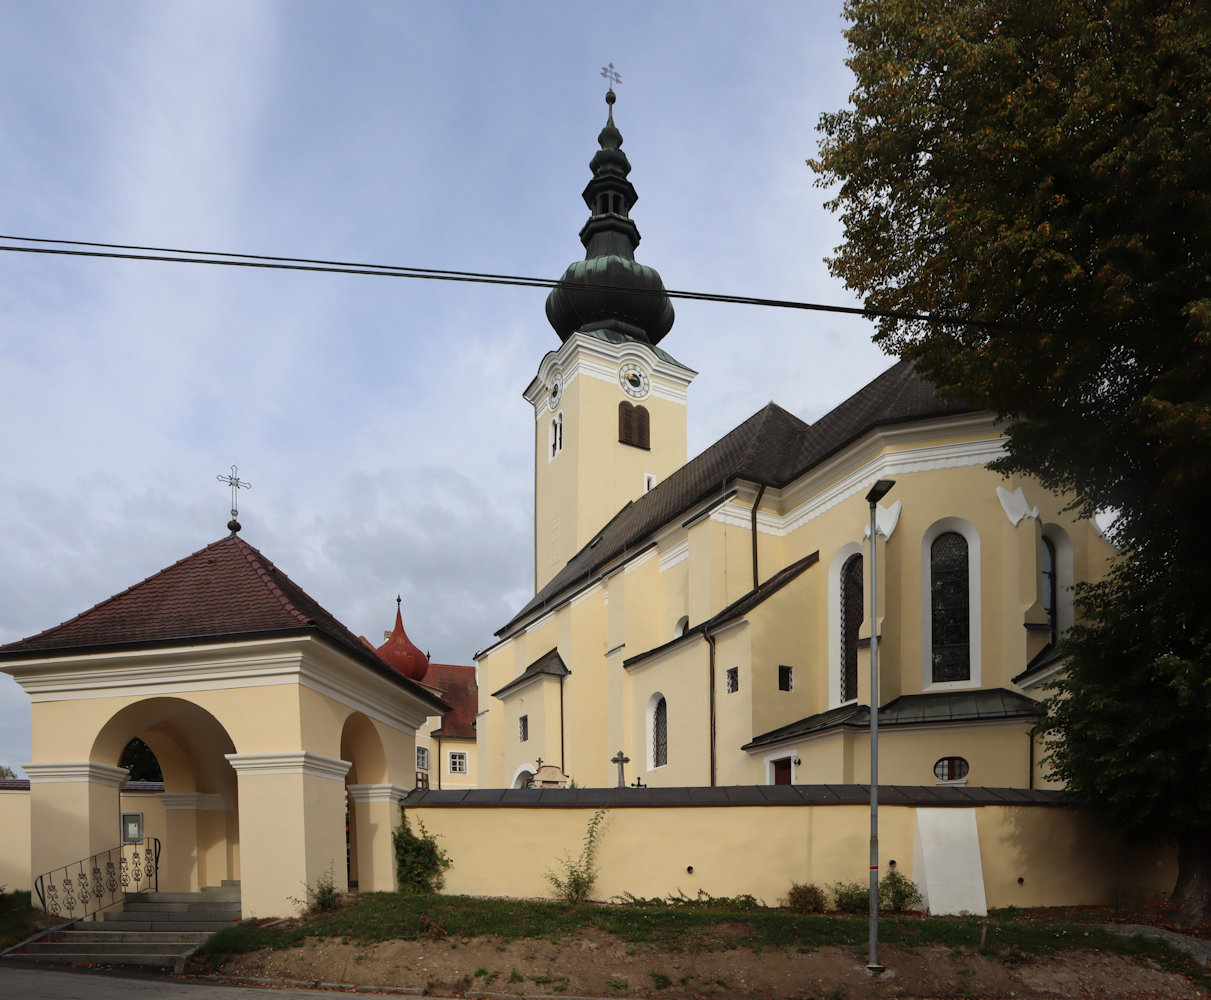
304,762
48,772
199,801
377,793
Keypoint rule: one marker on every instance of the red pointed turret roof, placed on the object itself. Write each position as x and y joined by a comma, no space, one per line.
227,591
402,653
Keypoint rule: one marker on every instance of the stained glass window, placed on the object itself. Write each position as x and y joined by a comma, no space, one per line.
949,608
852,613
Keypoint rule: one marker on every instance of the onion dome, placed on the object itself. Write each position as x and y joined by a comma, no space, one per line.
608,290
400,652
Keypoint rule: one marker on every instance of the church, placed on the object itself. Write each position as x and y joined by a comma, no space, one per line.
707,621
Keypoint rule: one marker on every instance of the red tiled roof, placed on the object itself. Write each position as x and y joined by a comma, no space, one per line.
227,590
459,690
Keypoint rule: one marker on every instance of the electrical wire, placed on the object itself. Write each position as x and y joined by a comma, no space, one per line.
172,255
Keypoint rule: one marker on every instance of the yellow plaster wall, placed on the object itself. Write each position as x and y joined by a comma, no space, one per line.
1063,857
14,840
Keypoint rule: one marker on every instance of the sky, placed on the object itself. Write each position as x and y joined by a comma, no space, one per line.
379,421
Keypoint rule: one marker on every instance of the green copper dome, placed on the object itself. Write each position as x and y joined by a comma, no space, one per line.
608,290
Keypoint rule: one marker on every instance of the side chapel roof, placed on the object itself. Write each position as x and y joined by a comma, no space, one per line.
227,591
772,447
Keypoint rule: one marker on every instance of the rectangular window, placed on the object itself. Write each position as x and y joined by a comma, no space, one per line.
523,729
422,758
786,678
132,828
733,680
458,762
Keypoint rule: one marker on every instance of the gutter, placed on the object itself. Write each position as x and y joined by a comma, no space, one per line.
711,683
756,504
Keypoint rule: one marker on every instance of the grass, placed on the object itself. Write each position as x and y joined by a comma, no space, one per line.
17,920
1011,936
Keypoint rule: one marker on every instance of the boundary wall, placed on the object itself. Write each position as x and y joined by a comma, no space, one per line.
968,849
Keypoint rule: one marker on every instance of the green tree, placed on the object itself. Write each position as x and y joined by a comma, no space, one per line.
7,772
1038,171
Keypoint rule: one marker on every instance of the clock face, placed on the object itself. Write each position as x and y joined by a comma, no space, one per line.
634,380
556,392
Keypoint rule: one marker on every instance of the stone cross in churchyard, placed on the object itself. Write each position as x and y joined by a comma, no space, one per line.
621,760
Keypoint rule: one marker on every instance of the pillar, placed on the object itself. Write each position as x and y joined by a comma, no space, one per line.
292,827
376,815
74,812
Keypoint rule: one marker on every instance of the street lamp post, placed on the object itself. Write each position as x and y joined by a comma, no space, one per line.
877,493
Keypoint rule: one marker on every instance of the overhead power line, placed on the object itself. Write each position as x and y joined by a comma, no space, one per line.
171,255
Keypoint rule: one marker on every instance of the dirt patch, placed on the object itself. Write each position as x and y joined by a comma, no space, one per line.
593,963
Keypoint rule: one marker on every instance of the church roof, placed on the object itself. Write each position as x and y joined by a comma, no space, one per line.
549,664
772,447
227,591
458,689
910,710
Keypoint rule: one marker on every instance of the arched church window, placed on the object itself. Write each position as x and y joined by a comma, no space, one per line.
556,435
660,733
852,614
139,760
950,619
1047,587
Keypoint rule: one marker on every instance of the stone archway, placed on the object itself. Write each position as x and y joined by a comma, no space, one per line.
372,806
199,825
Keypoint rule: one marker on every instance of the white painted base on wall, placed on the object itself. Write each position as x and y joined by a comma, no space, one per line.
946,862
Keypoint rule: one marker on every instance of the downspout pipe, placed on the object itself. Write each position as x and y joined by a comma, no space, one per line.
756,504
562,765
711,641
439,762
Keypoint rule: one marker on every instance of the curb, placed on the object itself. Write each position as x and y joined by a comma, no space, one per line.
1196,948
312,984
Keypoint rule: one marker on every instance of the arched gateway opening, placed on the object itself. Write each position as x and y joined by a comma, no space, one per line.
196,817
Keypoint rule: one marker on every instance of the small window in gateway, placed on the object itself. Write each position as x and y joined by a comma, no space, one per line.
733,680
786,678
523,729
458,762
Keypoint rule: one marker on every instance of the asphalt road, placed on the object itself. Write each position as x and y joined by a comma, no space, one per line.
21,982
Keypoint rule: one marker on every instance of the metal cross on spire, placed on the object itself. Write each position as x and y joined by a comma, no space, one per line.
611,75
235,483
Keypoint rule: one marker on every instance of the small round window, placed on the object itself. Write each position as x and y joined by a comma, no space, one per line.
950,769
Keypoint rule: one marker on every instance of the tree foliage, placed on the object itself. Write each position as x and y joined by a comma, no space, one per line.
1039,171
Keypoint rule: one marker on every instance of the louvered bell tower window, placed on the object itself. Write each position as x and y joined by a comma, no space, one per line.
634,425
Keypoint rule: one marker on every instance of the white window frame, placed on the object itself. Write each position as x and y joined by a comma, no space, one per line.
840,558
650,731
422,758
555,437
974,607
458,762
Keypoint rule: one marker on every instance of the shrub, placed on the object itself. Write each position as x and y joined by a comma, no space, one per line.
420,864
852,897
320,898
807,898
897,893
579,876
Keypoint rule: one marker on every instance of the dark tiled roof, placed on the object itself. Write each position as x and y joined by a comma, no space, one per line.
771,447
550,664
458,689
910,710
737,609
226,591
14,784
1046,657
730,795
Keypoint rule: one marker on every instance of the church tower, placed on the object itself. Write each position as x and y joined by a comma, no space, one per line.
609,405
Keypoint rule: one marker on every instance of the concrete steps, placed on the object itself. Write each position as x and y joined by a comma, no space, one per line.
153,928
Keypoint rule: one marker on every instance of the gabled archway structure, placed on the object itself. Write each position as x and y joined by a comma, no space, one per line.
268,717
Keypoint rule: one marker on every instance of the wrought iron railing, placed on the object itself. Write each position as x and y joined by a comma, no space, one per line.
87,886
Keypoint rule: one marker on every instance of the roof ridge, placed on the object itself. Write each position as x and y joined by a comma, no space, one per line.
258,562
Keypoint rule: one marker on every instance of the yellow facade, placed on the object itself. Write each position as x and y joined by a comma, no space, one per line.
653,624
261,743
